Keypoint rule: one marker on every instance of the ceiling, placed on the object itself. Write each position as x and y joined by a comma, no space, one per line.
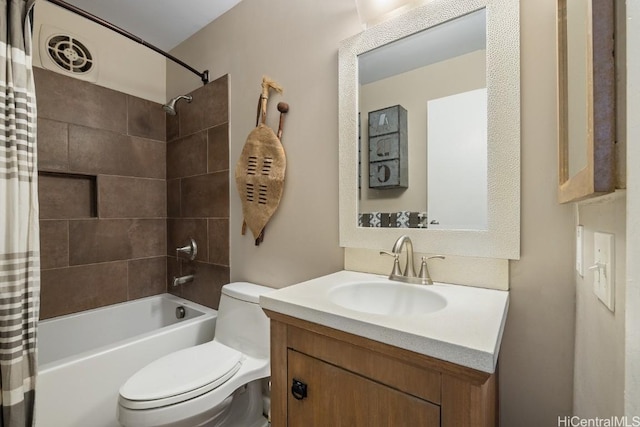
163,23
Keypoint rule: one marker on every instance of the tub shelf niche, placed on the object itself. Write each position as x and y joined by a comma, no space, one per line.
67,195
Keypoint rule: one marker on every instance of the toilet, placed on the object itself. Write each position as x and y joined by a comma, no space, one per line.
219,383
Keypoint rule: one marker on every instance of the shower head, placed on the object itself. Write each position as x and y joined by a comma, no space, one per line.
170,107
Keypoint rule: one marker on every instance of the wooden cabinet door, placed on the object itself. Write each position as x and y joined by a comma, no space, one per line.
336,397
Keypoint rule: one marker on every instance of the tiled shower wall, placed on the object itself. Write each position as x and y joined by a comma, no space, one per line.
198,192
102,158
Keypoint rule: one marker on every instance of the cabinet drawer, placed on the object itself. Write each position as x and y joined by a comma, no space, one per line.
406,377
336,397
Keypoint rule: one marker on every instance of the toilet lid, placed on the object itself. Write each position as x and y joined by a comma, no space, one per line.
195,369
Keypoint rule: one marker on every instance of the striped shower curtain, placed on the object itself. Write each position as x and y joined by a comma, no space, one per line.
19,232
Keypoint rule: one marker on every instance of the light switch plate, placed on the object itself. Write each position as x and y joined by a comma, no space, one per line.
604,273
579,254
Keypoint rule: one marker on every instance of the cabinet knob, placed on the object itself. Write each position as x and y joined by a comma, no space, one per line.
298,389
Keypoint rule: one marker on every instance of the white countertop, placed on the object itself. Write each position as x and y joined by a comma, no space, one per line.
467,332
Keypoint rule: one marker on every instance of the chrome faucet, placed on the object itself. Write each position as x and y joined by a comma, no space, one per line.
409,273
181,280
190,250
409,270
424,276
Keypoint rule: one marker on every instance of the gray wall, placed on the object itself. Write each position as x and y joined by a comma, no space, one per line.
599,374
632,297
296,44
600,343
536,366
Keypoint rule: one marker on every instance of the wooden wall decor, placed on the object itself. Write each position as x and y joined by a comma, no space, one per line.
598,176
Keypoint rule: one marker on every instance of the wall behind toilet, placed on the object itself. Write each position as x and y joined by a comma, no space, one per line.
296,43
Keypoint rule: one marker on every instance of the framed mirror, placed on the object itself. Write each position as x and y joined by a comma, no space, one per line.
474,45
447,167
586,99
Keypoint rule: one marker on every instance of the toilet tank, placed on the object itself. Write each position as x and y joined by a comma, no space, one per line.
241,323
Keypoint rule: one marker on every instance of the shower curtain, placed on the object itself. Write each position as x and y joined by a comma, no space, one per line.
19,235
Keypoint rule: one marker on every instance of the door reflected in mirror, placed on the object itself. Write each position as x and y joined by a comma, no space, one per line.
437,79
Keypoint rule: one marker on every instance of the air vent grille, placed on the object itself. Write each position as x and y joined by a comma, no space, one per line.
69,54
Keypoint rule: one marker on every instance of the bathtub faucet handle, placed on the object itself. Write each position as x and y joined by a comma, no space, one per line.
191,250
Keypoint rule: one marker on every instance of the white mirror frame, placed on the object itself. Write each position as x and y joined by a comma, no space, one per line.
502,237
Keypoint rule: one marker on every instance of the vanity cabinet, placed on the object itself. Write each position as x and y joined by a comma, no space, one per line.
325,377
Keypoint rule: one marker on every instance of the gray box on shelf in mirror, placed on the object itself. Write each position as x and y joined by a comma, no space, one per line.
388,167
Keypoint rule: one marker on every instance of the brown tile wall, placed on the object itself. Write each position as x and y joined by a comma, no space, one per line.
116,199
103,197
197,192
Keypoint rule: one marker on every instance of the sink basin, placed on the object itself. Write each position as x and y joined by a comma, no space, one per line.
387,298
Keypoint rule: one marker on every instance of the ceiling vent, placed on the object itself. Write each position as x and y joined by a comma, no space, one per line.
67,54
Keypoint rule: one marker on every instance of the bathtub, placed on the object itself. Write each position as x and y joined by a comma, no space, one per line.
84,358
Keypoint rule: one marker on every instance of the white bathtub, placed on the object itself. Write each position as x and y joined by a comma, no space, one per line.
84,358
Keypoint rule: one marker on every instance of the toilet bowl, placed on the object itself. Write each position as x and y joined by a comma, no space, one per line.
218,383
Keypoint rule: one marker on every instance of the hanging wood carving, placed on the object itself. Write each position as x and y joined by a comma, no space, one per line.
260,171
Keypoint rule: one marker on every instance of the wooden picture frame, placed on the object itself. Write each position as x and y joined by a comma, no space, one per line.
598,177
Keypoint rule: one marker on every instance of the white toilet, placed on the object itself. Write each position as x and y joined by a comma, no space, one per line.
219,383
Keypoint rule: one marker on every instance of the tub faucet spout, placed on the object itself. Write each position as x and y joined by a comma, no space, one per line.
181,280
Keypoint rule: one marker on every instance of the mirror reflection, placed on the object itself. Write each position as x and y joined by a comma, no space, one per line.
423,129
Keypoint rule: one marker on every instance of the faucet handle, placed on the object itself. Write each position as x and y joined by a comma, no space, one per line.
424,269
191,250
396,262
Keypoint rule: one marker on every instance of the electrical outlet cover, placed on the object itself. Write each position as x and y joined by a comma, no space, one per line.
604,274
579,245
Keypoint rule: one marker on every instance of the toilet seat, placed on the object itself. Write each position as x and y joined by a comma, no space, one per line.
181,376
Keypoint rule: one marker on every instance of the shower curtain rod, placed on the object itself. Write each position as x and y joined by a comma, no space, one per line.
204,76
